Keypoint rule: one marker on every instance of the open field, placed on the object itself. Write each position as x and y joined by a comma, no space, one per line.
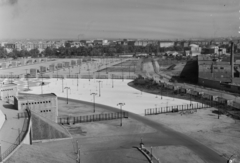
222,134
90,66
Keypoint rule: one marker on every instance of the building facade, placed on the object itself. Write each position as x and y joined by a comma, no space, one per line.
45,105
8,92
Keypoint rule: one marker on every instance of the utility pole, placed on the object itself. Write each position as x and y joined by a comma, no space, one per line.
69,71
94,94
62,84
67,88
99,87
121,104
42,84
112,80
27,78
11,77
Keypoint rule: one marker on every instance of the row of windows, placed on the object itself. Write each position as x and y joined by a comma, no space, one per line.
45,111
32,103
220,68
9,96
7,90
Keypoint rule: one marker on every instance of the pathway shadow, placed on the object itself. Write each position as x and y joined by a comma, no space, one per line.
9,106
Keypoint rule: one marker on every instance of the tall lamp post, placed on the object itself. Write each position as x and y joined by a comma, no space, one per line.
121,104
94,94
11,77
27,78
62,84
42,84
67,88
99,87
69,70
112,80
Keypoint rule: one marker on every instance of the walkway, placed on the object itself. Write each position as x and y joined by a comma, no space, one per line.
9,131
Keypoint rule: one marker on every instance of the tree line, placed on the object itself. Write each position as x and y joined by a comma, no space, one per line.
86,51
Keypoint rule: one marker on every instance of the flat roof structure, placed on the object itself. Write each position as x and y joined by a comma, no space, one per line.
35,97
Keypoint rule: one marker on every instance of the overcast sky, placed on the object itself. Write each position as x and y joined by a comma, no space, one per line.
151,19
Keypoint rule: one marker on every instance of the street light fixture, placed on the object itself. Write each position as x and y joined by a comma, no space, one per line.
27,78
67,88
112,81
121,104
94,94
62,84
11,77
99,87
42,84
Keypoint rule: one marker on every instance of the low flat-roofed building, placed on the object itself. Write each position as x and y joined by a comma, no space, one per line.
8,91
45,105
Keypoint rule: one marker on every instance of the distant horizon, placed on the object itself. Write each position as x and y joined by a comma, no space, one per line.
114,19
74,39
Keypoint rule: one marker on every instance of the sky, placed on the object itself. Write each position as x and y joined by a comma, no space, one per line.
113,19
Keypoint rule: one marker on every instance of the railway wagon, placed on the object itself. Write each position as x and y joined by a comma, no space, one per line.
176,88
182,90
209,97
170,86
236,105
224,101
188,90
194,92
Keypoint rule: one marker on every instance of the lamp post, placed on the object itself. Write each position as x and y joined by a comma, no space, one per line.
129,73
42,84
27,78
99,87
77,80
112,80
62,84
94,94
121,104
67,88
69,71
57,73
11,77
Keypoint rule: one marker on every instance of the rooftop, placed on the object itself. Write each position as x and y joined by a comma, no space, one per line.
8,85
36,97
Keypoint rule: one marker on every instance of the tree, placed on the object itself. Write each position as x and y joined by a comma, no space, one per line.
3,52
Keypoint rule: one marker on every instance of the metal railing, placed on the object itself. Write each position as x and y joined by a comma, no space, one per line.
92,118
175,108
20,137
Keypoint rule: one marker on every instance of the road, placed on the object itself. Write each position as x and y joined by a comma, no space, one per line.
164,137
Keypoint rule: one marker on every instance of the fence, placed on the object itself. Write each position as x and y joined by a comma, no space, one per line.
44,76
22,115
72,76
101,77
9,76
92,118
20,137
87,77
176,108
58,76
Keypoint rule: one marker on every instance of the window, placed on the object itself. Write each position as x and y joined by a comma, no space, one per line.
41,111
215,67
49,110
222,68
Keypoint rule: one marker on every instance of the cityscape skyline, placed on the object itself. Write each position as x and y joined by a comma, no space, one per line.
110,19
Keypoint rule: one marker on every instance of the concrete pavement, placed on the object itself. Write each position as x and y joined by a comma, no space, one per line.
9,131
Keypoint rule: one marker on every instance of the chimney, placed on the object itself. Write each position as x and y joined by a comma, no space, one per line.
232,61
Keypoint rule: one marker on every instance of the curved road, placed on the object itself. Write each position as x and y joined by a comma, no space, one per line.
165,136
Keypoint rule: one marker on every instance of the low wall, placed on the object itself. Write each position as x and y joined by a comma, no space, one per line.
2,118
